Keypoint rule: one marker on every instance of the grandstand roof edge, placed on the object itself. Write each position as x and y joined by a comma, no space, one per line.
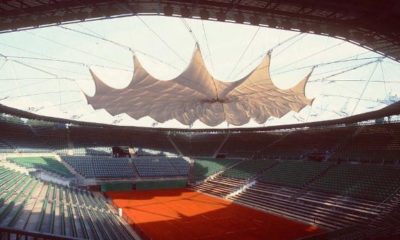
390,110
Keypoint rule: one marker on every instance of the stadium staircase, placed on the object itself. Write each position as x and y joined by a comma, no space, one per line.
221,186
250,181
216,184
234,178
241,190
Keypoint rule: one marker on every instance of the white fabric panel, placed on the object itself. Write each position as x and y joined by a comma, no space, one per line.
196,95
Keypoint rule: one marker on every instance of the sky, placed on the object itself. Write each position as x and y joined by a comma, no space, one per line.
46,70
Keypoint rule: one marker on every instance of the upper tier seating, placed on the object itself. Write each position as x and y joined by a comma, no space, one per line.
99,151
21,137
82,165
53,135
198,146
302,143
248,169
32,205
45,163
246,144
5,148
376,143
145,152
293,173
204,168
101,166
99,137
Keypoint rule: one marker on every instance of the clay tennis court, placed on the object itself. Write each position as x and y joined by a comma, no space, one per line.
183,214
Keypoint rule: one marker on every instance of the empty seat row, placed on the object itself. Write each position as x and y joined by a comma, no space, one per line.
32,205
101,166
145,166
330,195
155,167
365,181
180,164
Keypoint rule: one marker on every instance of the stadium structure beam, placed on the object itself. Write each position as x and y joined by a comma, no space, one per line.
84,134
368,23
391,110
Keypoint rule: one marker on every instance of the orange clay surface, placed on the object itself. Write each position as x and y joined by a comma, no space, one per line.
183,214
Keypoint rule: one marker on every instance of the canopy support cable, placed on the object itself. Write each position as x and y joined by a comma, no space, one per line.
365,87
269,51
162,40
330,63
212,65
132,50
79,50
291,44
285,41
244,51
310,55
384,80
190,30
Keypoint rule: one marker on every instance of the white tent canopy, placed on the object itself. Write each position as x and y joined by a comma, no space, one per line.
196,95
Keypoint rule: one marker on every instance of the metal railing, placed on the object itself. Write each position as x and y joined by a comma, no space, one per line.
11,233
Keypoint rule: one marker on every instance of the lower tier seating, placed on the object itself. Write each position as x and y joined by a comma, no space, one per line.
328,211
156,167
114,168
180,164
32,205
330,195
384,226
101,166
